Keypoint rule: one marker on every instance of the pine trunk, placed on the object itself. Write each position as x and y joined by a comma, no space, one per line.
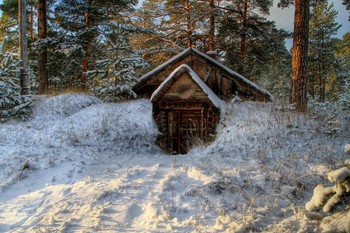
212,26
189,25
86,47
42,53
243,36
298,95
23,47
32,19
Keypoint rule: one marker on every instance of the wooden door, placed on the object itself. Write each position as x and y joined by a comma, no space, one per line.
185,129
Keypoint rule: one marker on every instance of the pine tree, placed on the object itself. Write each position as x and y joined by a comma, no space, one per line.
322,62
247,37
154,44
174,26
347,4
83,19
298,95
115,74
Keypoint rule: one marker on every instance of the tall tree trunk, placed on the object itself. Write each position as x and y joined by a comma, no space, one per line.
86,47
32,19
212,26
298,95
42,54
23,47
189,25
322,70
243,36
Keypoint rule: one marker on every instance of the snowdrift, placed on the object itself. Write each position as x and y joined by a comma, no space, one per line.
78,164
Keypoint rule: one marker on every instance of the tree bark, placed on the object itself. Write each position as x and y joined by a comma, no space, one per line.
32,19
23,47
42,54
86,47
243,36
189,25
298,95
212,26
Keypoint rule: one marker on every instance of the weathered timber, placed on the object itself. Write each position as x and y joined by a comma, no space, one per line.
185,110
223,81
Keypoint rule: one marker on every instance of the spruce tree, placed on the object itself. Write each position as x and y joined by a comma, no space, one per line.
12,103
248,39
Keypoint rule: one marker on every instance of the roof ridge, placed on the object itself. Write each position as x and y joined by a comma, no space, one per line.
182,68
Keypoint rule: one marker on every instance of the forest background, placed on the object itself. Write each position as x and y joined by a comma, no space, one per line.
104,47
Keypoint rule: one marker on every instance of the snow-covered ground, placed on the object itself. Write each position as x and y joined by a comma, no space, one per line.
80,165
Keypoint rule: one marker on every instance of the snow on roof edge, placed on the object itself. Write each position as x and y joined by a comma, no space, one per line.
211,95
234,73
143,77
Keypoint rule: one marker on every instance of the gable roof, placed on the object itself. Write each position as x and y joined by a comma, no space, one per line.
232,74
173,77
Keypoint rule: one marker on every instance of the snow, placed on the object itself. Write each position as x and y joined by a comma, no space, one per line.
347,148
211,95
80,165
237,75
339,175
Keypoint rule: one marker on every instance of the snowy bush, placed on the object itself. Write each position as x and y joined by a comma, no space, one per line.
329,197
12,103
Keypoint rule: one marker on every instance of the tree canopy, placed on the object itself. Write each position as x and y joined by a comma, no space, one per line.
105,46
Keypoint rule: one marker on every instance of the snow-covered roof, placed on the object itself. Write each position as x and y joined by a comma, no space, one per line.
162,66
185,68
208,58
237,75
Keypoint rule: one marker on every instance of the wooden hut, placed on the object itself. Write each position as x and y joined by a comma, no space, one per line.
185,109
223,81
187,92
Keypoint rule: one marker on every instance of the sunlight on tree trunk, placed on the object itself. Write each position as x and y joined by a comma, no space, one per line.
298,95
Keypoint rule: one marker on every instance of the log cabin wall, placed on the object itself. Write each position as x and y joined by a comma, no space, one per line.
186,93
184,111
184,124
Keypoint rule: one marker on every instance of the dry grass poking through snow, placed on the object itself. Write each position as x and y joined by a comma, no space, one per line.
93,167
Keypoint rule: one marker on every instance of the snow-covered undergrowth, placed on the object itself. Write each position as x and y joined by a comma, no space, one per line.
79,165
